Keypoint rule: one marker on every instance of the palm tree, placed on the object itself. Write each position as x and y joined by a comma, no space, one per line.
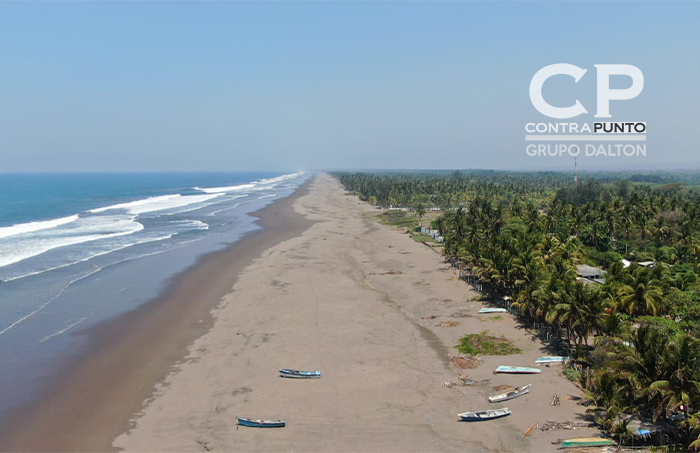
420,212
678,385
569,312
640,293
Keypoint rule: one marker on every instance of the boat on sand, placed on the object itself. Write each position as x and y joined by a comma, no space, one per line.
586,442
258,423
296,374
552,359
489,414
492,310
517,370
519,391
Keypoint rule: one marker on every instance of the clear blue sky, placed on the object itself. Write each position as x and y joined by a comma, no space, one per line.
284,86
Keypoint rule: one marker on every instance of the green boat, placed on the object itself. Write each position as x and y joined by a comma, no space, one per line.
586,442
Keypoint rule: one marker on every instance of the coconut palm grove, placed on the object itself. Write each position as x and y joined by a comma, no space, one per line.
634,330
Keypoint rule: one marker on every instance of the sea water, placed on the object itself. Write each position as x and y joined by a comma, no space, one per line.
72,244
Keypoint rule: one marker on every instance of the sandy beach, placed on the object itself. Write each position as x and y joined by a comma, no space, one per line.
362,303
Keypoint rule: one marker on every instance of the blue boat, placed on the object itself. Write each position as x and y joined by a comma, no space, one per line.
257,423
296,374
517,370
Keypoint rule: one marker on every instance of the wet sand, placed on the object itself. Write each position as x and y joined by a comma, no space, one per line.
95,399
362,303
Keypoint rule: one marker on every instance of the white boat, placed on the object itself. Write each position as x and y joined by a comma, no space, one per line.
517,370
520,391
484,415
552,359
492,310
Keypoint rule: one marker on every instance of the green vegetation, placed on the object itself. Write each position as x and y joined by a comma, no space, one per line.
495,318
422,237
571,374
398,219
634,332
485,344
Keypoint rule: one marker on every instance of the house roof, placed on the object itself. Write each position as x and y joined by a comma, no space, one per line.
589,271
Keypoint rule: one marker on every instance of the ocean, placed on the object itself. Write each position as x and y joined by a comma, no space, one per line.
71,244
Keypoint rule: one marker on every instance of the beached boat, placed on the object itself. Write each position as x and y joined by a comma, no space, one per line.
520,391
517,370
284,372
552,359
586,442
489,414
492,310
257,423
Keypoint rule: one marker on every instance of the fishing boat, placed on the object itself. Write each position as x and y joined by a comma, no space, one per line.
517,370
552,359
257,423
296,374
484,415
519,391
492,310
586,442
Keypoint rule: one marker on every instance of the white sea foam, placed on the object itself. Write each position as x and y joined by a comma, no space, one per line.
64,330
30,227
220,190
252,185
114,245
153,204
15,249
45,304
229,208
281,178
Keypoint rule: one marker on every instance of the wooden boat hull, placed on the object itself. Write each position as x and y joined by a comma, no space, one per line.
586,442
296,374
480,416
520,391
257,423
517,370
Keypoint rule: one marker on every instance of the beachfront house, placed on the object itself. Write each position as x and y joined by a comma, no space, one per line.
589,274
435,234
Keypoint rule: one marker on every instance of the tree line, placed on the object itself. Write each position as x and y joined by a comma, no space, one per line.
633,333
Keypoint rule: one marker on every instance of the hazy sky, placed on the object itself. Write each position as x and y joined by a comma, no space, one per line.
310,85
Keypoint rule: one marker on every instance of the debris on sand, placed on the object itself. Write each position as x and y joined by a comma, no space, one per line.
449,385
429,317
460,314
448,324
555,400
465,362
529,430
387,273
502,388
551,424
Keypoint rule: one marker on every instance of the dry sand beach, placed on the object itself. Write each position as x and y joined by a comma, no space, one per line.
361,302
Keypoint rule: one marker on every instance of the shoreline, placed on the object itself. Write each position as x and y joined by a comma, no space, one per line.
95,398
